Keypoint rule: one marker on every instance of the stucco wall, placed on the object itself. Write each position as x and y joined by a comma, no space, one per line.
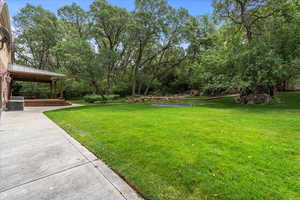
5,79
5,59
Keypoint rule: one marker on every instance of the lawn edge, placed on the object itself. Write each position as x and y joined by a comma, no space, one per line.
141,194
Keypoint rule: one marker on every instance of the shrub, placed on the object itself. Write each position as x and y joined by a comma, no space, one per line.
94,98
112,97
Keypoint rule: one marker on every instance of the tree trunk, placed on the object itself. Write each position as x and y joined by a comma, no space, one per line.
134,77
109,82
140,88
249,36
133,87
271,91
147,90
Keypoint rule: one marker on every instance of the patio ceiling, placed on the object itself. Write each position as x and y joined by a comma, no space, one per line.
29,74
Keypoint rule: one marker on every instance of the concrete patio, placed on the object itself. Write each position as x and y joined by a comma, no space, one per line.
39,160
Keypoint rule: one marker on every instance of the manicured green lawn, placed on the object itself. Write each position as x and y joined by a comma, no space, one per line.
217,150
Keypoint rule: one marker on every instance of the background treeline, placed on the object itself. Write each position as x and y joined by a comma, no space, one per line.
250,46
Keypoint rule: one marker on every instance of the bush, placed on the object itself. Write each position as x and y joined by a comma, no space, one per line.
112,97
94,98
122,89
214,91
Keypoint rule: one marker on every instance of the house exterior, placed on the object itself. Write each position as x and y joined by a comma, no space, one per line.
5,54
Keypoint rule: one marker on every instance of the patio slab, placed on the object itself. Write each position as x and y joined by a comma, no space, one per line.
83,182
39,160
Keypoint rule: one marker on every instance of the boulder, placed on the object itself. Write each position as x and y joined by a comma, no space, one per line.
254,99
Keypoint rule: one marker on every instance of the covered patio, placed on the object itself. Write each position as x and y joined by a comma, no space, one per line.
28,74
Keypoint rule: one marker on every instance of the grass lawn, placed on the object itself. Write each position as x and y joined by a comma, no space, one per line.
216,150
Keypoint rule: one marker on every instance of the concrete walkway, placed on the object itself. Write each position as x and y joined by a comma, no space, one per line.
40,161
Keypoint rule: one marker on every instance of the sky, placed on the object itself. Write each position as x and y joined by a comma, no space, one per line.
195,7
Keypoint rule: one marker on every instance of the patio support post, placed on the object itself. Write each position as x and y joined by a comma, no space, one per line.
10,89
54,89
51,90
61,89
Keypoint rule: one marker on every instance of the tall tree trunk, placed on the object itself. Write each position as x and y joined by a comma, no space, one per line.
97,90
133,87
133,81
140,88
109,85
148,86
271,89
249,36
147,90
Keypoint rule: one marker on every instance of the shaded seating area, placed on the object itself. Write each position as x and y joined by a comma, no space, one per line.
28,74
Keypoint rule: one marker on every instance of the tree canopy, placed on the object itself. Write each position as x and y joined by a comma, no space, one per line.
250,47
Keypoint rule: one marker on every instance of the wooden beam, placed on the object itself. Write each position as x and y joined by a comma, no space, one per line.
51,90
55,90
61,89
31,80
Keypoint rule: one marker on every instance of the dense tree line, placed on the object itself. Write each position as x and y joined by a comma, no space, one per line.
256,50
250,46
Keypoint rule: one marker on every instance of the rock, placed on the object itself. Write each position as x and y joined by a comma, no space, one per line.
251,102
237,100
195,93
255,99
153,99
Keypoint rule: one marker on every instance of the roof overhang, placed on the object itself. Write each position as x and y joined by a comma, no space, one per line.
29,74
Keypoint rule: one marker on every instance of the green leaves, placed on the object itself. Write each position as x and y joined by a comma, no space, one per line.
74,21
156,47
255,47
36,34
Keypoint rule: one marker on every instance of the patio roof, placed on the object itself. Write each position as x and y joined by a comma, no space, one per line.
24,73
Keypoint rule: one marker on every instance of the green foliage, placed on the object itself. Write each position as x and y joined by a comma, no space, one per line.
157,49
253,66
74,21
37,33
258,65
94,98
260,56
31,90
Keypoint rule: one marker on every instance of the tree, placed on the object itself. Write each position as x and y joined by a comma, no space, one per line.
157,48
109,32
281,33
258,64
37,33
157,31
245,13
82,63
74,21
253,69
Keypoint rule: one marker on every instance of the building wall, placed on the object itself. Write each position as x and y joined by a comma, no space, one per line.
5,59
5,78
